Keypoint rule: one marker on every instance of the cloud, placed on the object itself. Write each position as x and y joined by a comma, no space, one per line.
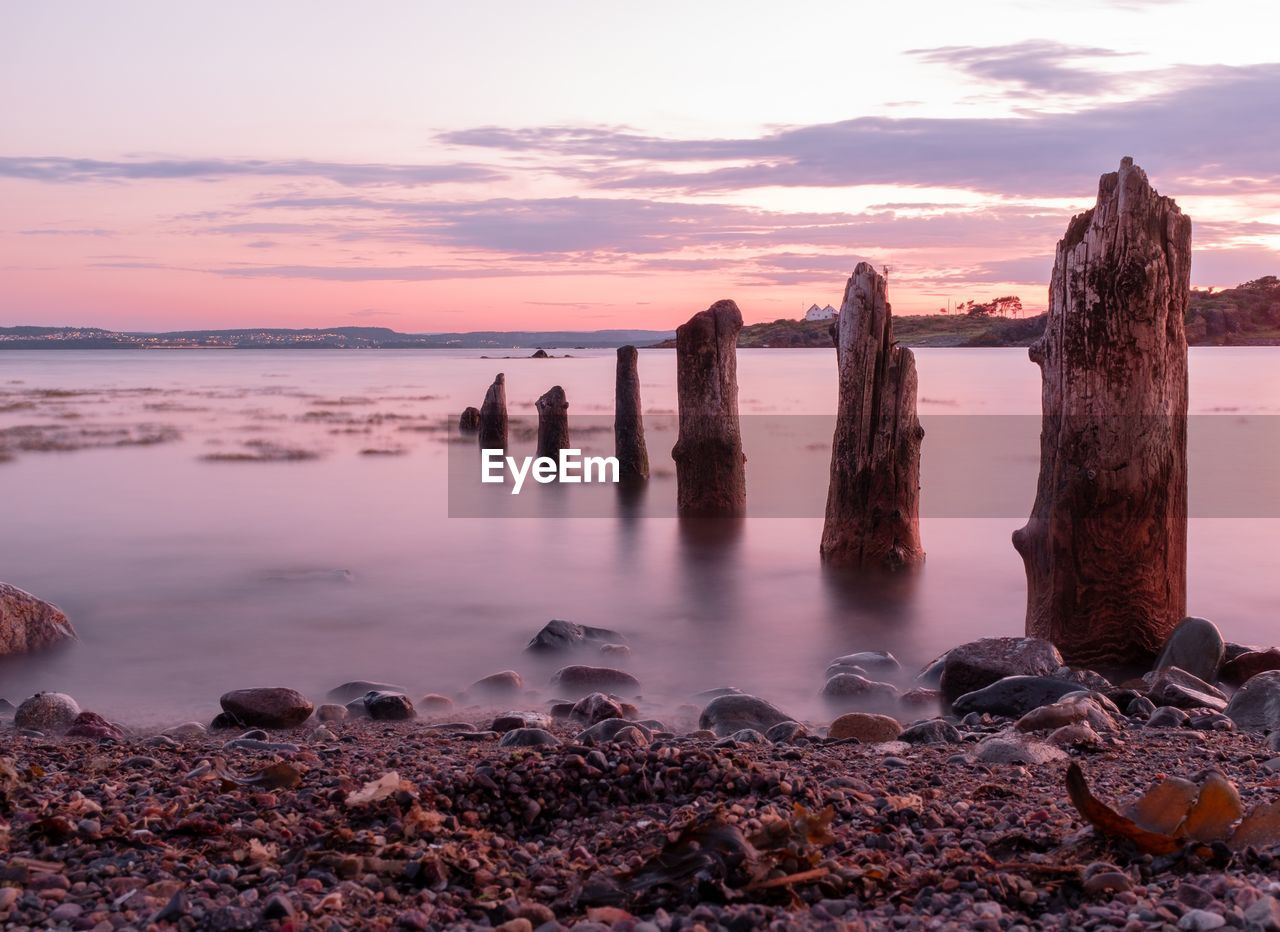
1038,66
375,273
63,170
83,231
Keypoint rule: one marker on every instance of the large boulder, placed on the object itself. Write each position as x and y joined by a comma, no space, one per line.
980,663
557,636
1244,667
267,707
1256,707
726,714
1180,689
1090,708
28,623
1014,696
1196,646
52,713
578,680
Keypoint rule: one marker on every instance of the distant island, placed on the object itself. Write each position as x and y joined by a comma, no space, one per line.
1247,315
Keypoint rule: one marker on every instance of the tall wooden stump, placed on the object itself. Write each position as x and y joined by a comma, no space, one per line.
711,479
553,423
493,416
628,421
873,502
1106,545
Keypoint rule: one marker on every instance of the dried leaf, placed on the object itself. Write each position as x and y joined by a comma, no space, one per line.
1260,828
1111,823
1216,810
375,790
1164,807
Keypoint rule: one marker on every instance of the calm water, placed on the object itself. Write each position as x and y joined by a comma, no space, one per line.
187,576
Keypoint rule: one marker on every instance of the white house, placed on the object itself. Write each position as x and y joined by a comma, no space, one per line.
820,313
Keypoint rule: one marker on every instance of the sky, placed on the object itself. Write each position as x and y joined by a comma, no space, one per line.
433,166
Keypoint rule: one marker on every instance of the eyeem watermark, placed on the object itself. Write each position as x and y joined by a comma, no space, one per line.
571,468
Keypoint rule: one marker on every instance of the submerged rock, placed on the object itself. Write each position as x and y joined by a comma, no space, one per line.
877,661
850,690
1014,696
267,706
28,623
1256,707
52,713
499,684
1176,687
578,679
386,706
726,714
596,707
469,420
1245,666
356,689
980,663
434,702
331,712
528,738
1196,646
557,635
866,727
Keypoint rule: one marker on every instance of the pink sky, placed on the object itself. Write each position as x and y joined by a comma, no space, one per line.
580,165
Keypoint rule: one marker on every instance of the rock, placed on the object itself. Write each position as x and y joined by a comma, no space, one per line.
492,430
28,623
873,498
51,713
628,419
1256,707
747,736
632,735
384,706
329,712
1246,666
1176,687
434,702
93,725
930,677
726,714
1264,914
980,663
469,420
1233,650
615,650
358,689
786,732
596,707
553,423
557,636
357,709
920,696
267,706
539,354
1086,678
1105,547
1014,696
849,690
1201,920
1069,710
1009,749
528,738
608,728
1140,707
711,479
716,692
186,730
7,708
510,721
1107,881
505,683
1075,735
277,906
866,727
577,679
1196,646
877,661
933,731
1167,717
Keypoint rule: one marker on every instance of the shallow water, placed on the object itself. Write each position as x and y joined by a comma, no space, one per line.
190,566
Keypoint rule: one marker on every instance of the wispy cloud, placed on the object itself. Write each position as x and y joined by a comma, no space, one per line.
1038,66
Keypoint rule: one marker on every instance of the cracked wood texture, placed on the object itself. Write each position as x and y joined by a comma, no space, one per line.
873,501
1105,548
553,423
493,416
711,478
628,419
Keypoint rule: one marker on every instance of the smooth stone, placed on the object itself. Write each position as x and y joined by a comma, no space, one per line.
866,727
596,707
329,712
930,676
557,636
1076,735
1069,710
1256,707
389,707
1211,721
980,663
528,738
1140,707
1234,650
1177,687
879,661
504,683
186,730
1196,646
469,420
510,721
1086,678
849,690
1167,717
921,696
357,689
93,725
1264,914
1201,920
933,731
632,735
578,679
224,721
257,744
268,706
160,741
28,623
1009,749
52,713
615,650
1013,696
434,702
605,730
747,736
786,732
7,708
726,714
716,692
1246,666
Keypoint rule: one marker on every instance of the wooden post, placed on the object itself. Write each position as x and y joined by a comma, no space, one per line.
553,423
469,420
711,476
493,416
873,501
628,420
1106,545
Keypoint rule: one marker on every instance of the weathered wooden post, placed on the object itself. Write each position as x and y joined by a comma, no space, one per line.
873,501
469,420
628,420
711,478
493,416
1106,545
553,423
